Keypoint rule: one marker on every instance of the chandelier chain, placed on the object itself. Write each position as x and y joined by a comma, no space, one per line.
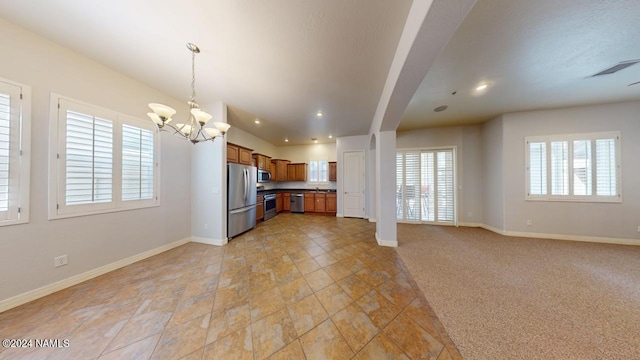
193,76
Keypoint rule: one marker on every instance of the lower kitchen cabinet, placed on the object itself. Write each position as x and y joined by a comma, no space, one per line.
331,204
320,200
279,202
286,201
259,208
309,202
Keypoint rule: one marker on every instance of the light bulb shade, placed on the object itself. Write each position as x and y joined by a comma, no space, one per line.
212,132
222,127
163,111
201,116
185,129
156,119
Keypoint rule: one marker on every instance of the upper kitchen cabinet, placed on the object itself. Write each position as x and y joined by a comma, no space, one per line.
263,162
333,171
279,170
238,154
297,172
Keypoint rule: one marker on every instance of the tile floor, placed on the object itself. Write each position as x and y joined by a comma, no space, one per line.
296,287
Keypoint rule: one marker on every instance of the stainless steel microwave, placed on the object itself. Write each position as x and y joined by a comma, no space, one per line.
264,176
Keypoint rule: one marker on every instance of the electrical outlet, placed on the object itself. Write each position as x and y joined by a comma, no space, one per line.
60,261
206,226
638,228
529,222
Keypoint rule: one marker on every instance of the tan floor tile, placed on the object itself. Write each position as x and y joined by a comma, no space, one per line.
295,290
355,326
140,327
325,259
378,308
307,266
411,338
182,339
306,314
397,295
224,322
318,279
325,342
381,347
272,333
354,286
419,313
200,286
333,298
292,351
142,349
337,271
299,255
237,345
192,308
286,272
266,303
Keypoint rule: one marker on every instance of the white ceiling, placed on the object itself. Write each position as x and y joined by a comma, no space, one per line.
283,60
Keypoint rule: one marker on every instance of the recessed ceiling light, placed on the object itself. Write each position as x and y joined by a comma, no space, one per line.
330,136
441,108
481,87
257,121
315,140
319,114
286,140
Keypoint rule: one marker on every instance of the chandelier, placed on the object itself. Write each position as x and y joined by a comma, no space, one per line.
193,130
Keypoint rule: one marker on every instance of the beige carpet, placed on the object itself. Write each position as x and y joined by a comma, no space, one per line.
516,298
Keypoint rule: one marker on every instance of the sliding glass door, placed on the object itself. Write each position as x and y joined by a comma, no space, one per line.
425,184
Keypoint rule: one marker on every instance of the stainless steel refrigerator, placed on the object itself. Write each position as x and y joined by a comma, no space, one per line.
241,198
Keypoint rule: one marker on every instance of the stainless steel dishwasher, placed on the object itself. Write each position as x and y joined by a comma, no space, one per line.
297,203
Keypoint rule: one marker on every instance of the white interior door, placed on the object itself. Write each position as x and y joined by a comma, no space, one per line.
353,183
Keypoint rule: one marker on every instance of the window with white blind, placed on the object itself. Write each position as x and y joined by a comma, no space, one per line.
105,161
574,167
15,110
318,171
425,184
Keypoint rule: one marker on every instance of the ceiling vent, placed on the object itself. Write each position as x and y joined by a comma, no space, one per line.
617,67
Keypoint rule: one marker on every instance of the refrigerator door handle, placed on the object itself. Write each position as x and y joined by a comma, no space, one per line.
246,184
242,210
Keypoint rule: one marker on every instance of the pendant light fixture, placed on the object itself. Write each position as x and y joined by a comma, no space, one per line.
194,129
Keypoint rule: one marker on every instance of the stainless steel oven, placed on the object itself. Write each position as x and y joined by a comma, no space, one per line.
269,206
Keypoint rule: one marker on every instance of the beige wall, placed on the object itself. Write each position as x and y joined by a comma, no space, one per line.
27,250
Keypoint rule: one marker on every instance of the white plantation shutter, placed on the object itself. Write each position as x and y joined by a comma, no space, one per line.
313,171
89,159
578,167
426,185
537,168
14,141
606,168
399,183
137,163
323,170
582,170
560,168
105,161
445,187
5,151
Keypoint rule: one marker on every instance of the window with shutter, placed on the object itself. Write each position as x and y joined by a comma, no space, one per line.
318,171
14,158
425,182
581,167
105,161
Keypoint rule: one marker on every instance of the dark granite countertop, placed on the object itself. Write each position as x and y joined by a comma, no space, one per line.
276,191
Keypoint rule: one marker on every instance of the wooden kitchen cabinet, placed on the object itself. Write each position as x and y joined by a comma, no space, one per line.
279,170
238,154
278,202
319,203
309,202
263,162
259,208
286,198
297,172
331,204
333,171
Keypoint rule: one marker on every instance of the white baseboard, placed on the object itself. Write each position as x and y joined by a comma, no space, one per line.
339,215
24,298
372,220
388,243
594,239
208,241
